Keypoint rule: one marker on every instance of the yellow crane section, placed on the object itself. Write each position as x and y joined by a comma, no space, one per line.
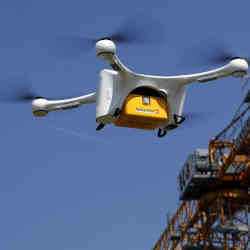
214,185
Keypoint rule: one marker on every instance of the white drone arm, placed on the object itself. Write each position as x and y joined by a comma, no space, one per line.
237,68
41,106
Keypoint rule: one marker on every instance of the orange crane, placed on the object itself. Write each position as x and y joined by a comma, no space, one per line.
214,187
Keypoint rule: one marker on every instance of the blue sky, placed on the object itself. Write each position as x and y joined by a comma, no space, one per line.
64,186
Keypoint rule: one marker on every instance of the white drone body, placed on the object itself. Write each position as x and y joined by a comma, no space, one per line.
115,85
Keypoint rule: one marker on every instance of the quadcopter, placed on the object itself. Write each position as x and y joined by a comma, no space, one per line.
129,99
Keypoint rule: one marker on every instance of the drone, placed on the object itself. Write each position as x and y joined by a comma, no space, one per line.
129,99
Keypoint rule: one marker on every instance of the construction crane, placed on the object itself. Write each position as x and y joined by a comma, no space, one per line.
214,187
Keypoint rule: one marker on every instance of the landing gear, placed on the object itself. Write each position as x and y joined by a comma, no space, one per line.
161,132
116,114
100,126
178,119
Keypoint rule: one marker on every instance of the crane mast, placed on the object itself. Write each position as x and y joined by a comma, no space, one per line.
214,187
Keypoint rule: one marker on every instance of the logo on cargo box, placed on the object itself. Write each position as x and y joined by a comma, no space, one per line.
147,111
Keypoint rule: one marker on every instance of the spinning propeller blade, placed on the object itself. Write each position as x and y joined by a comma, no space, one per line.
73,45
216,53
138,30
135,30
17,90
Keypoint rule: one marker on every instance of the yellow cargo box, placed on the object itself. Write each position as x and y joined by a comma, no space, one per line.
143,112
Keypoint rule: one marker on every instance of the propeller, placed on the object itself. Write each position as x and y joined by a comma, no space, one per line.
222,56
215,53
17,90
20,90
138,29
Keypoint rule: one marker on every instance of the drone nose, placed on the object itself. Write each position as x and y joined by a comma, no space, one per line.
39,107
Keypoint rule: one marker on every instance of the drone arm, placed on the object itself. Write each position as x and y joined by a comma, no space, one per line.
41,106
236,68
116,64
90,98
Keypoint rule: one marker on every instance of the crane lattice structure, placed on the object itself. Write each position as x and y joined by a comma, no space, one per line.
215,208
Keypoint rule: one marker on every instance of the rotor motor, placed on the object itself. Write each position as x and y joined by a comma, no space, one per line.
39,107
104,48
241,67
